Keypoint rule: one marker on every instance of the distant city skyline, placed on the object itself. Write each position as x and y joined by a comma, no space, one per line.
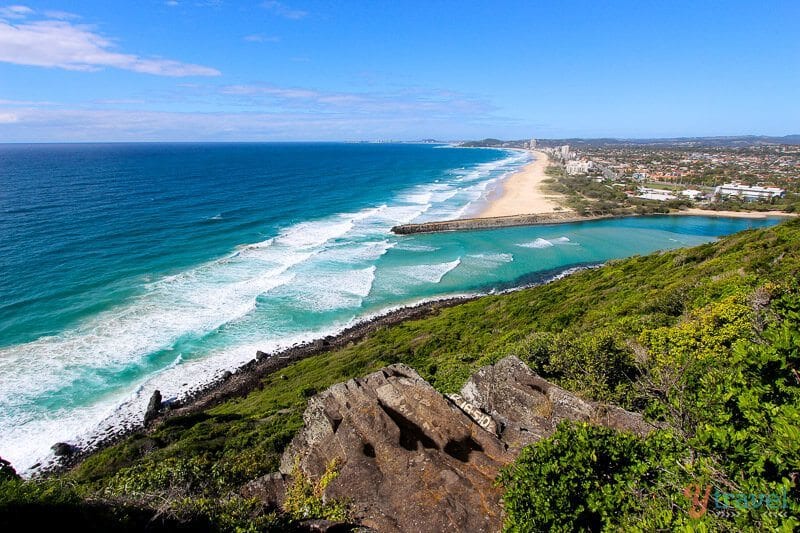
216,70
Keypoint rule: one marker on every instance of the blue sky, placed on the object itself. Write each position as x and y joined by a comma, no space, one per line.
356,70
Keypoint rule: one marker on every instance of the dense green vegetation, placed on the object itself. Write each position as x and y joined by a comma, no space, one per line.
704,341
724,379
588,197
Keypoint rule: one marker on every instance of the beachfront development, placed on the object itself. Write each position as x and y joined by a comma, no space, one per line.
599,179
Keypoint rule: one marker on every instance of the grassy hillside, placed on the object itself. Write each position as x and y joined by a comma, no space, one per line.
704,340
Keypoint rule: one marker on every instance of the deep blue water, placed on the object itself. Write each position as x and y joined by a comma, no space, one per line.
130,267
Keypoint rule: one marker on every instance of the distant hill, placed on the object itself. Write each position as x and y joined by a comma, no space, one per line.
687,142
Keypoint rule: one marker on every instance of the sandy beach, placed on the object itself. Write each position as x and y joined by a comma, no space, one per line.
523,193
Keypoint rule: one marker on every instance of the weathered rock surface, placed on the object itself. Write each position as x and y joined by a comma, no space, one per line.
63,449
153,407
269,489
527,408
410,460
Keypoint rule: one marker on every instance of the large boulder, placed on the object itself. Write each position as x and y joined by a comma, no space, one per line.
409,458
153,407
527,408
63,449
269,489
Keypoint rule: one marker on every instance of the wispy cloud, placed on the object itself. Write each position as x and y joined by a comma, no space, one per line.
261,38
24,102
282,10
15,12
71,125
119,101
58,43
61,15
257,112
407,100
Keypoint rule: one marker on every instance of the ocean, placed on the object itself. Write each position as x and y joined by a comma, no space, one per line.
130,267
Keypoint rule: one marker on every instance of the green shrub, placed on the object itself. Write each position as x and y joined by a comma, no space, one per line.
304,497
587,478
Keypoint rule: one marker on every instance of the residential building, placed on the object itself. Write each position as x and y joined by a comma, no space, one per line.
748,192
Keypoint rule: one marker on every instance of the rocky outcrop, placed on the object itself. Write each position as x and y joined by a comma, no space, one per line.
153,407
63,449
527,408
269,489
411,459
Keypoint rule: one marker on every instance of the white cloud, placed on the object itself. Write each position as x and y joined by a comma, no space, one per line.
74,125
261,38
60,44
408,101
61,15
254,112
278,92
24,102
259,113
283,10
15,12
119,101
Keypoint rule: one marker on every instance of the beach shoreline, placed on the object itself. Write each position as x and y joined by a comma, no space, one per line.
523,193
696,211
248,377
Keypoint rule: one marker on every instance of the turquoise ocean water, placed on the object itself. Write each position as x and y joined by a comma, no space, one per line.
126,268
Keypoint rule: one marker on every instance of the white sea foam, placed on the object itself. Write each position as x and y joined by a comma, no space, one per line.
408,247
328,291
428,273
491,259
314,233
538,243
545,243
420,196
355,253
